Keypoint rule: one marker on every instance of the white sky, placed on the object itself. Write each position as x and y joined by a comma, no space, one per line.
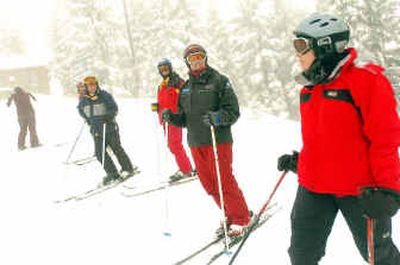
33,19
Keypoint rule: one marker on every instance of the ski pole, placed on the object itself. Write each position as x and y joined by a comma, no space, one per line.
221,195
257,218
104,145
371,247
75,143
166,232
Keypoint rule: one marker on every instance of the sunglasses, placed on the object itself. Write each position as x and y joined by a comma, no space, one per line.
197,56
301,45
163,68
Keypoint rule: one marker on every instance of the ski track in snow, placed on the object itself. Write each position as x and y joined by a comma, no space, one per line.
112,229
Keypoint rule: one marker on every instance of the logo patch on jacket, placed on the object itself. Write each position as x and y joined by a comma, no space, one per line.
228,85
332,93
342,94
209,87
185,90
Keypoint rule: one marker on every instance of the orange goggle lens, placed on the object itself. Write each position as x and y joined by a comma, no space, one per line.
301,45
163,68
198,56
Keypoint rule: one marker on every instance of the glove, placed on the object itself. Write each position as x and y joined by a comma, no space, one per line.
212,118
109,118
379,202
288,162
166,115
154,107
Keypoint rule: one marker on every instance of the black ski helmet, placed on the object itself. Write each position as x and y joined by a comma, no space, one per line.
328,34
164,61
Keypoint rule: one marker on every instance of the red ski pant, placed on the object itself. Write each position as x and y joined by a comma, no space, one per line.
236,209
176,148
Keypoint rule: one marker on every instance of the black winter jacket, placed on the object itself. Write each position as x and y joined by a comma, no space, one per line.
211,91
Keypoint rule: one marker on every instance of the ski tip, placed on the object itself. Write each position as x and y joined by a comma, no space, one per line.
167,234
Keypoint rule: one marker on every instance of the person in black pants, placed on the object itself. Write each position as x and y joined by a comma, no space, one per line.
349,161
99,109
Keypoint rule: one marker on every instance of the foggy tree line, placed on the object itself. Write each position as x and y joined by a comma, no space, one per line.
122,41
11,42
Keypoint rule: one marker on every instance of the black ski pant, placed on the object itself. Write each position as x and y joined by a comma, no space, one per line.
112,142
312,219
25,123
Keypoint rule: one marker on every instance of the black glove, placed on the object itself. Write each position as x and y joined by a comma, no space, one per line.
109,118
288,162
379,202
154,107
212,118
166,115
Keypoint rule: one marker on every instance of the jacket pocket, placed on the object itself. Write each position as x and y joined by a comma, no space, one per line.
208,99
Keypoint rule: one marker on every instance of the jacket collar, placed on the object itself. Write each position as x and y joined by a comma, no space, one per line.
343,64
203,77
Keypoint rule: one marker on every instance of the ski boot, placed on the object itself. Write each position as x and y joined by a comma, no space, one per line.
179,175
109,179
234,230
125,174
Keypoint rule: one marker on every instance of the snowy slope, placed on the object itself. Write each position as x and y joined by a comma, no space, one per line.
112,229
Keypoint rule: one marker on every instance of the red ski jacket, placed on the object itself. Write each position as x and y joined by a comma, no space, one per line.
351,132
168,94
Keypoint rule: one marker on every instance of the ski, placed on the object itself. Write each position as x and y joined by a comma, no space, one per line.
156,187
216,241
199,251
237,240
89,193
98,190
82,161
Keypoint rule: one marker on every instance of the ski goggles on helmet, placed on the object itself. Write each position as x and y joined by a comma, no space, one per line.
164,67
195,57
301,45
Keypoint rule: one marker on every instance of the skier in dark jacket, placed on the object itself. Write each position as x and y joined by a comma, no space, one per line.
351,133
99,109
26,116
206,99
167,98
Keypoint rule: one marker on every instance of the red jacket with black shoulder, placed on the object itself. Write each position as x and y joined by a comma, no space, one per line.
351,132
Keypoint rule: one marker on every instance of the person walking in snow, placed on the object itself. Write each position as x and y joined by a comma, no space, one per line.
349,161
26,116
99,109
167,98
208,99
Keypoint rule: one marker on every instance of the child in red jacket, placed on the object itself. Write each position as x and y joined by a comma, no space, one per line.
167,98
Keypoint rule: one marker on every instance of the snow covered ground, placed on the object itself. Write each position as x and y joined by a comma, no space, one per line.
112,229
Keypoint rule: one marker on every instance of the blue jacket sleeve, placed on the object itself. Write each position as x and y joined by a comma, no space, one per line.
80,109
112,107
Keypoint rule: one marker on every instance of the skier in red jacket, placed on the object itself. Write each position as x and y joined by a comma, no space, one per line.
167,98
351,133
